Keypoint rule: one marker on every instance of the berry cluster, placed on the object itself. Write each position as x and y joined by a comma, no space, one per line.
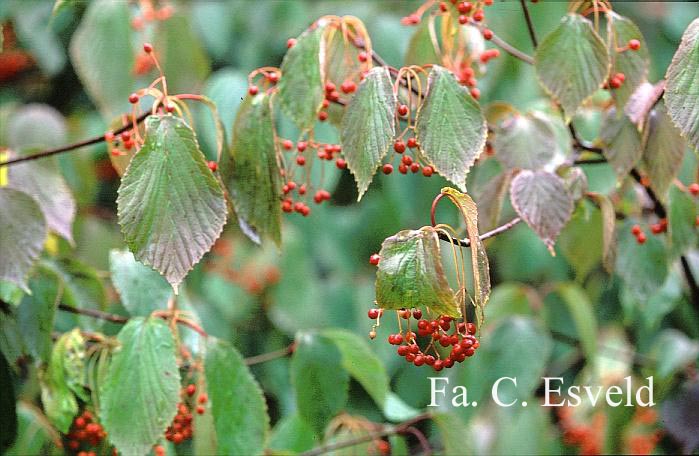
85,435
444,331
181,427
120,145
150,13
407,162
588,437
643,436
615,81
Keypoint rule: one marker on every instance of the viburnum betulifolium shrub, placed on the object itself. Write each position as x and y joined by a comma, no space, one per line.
201,257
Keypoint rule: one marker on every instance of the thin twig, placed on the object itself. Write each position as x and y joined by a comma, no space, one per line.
98,314
504,45
264,357
492,233
70,147
401,428
530,25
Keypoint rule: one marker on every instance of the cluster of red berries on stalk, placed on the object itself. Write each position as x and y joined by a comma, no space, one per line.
149,14
120,144
85,435
407,163
444,331
616,80
181,427
588,437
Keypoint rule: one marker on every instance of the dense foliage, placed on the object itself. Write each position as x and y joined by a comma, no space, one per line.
192,254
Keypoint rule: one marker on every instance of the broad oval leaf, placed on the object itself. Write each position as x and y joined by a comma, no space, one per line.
663,150
102,56
541,199
421,49
642,101
642,267
450,127
43,181
141,289
56,394
682,230
301,90
22,233
682,88
237,403
171,208
142,387
622,143
368,126
634,64
251,171
320,382
410,274
527,142
572,62
22,131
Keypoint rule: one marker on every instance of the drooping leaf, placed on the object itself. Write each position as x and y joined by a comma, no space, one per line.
633,64
23,132
582,312
580,241
479,259
35,435
368,126
525,141
663,150
572,62
42,180
642,267
682,90
8,408
102,56
609,244
171,208
541,199
36,314
56,395
575,181
301,90
362,363
237,403
410,274
142,386
622,143
22,234
142,290
291,433
453,433
642,101
251,171
450,127
490,200
682,209
320,382
421,49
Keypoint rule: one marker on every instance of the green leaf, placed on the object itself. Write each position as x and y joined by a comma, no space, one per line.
142,388
682,229
525,141
450,127
663,150
581,240
621,142
36,315
301,90
580,308
490,199
608,229
320,382
102,56
368,126
237,402
22,235
142,290
453,433
22,131
56,395
681,90
181,54
410,274
35,435
572,62
673,351
8,408
251,171
171,208
42,180
643,267
361,362
633,64
541,199
291,433
421,49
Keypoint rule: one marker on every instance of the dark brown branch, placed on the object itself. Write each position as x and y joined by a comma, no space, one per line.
70,147
492,233
530,24
98,314
691,281
401,428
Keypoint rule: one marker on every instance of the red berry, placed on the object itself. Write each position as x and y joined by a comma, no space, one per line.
348,86
403,350
387,168
341,163
374,313
290,43
427,171
487,34
109,136
636,230
302,189
374,259
464,7
634,45
399,146
213,166
403,169
412,143
478,16
620,76
362,57
133,98
656,228
402,110
79,422
443,7
300,160
438,365
159,450
415,167
147,48
614,83
694,189
200,410
407,160
273,77
177,438
323,116
203,398
419,360
475,93
696,220
329,87
641,238
288,144
463,19
417,314
471,328
253,90
301,146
